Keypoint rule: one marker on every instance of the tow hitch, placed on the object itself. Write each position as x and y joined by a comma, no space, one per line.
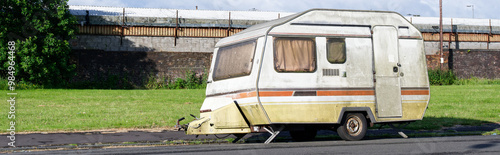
178,126
184,127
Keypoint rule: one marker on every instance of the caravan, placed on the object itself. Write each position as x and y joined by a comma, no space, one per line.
342,70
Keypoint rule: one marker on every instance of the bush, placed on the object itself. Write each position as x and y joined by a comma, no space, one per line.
191,81
441,77
154,83
20,85
41,30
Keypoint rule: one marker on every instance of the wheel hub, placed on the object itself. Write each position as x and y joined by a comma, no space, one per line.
353,126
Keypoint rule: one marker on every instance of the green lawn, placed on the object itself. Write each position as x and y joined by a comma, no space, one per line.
461,105
57,109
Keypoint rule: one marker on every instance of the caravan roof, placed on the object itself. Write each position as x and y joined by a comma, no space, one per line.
327,17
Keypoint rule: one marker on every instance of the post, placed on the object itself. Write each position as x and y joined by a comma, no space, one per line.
176,26
489,35
229,25
449,36
441,33
123,27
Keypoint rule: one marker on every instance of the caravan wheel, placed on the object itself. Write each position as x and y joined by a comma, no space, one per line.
353,127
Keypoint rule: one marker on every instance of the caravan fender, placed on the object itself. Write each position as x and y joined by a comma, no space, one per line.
356,109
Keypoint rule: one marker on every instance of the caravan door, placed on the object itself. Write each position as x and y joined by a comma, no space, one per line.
386,65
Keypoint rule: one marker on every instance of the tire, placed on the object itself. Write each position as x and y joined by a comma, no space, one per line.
353,127
303,135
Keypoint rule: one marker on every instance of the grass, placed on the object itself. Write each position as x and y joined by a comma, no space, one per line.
477,81
57,109
69,110
461,105
494,132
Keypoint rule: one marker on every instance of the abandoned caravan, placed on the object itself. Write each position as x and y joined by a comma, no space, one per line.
341,70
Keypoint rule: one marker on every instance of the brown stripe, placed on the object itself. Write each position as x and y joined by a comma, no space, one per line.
315,89
205,110
304,93
345,93
415,92
231,92
414,88
275,93
410,37
250,93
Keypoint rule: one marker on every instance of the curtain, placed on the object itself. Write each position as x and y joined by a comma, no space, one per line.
294,55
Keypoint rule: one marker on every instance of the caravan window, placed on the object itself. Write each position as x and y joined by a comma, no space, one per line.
234,60
294,55
335,48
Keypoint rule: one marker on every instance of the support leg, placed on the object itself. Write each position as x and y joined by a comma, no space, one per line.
400,129
273,133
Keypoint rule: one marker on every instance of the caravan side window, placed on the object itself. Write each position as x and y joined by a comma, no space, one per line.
294,54
335,50
234,60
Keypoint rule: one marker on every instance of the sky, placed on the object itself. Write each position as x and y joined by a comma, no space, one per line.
486,9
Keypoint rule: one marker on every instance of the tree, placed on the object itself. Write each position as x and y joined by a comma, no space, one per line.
41,30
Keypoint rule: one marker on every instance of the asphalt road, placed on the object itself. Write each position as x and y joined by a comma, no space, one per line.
435,145
82,138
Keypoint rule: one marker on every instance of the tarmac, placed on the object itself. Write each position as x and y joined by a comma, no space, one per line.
40,140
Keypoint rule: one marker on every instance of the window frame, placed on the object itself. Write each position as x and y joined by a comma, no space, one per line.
328,50
217,58
315,55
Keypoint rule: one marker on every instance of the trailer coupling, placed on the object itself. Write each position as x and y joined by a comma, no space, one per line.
178,126
184,127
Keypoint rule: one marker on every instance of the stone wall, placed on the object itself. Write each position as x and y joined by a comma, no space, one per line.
143,43
432,47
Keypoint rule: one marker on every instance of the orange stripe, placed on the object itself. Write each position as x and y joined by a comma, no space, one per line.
325,93
263,93
415,92
275,93
345,93
246,94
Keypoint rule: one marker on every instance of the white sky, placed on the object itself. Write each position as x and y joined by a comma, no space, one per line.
426,8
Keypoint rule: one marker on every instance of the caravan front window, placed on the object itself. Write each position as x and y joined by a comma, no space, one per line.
234,60
294,55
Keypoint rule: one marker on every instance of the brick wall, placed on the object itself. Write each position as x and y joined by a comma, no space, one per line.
137,67
434,61
476,63
95,65
469,63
